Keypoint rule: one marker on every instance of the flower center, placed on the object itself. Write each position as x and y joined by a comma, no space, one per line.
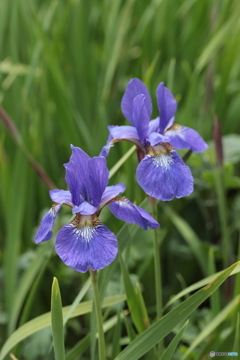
161,155
85,226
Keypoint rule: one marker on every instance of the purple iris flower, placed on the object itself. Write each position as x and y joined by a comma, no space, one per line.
161,171
85,242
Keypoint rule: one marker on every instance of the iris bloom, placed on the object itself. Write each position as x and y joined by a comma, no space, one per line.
161,172
85,242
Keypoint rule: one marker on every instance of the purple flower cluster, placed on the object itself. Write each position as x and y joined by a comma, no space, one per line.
161,172
85,242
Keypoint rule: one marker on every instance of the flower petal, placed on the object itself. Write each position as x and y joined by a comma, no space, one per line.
98,179
84,209
86,247
125,210
77,174
44,232
125,132
61,196
134,88
167,106
140,117
153,125
111,192
182,137
106,148
165,176
155,138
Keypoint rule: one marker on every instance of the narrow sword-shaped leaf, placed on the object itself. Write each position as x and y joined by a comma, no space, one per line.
57,322
149,338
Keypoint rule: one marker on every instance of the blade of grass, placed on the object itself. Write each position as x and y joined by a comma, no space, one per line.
150,337
212,326
174,343
57,322
43,321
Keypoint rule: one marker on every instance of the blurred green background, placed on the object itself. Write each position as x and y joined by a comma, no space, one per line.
64,65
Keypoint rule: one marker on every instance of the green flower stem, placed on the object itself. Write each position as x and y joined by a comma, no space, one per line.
158,275
101,341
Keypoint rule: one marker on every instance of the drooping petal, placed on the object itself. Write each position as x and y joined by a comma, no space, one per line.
134,88
44,232
155,138
111,192
167,106
77,174
165,176
140,117
98,179
86,247
182,137
61,196
84,209
125,210
125,132
106,148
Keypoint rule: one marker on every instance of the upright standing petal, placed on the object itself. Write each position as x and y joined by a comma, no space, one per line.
140,117
77,174
127,211
98,179
167,106
86,247
44,232
165,176
134,88
182,137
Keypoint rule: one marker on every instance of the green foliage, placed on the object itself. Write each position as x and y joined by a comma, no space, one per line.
64,66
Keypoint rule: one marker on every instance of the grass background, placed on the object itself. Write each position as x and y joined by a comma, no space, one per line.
64,66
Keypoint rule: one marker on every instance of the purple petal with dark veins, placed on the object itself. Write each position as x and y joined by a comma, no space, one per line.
140,117
134,88
86,247
77,174
111,192
165,176
98,179
61,196
125,210
84,209
167,106
44,232
182,137
155,138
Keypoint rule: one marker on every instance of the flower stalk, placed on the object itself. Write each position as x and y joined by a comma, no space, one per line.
158,274
101,341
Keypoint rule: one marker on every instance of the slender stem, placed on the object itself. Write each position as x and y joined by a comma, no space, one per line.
158,275
101,341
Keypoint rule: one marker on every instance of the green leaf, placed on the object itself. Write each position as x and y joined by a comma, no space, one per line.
133,300
57,321
189,236
149,338
43,321
174,343
197,285
211,326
